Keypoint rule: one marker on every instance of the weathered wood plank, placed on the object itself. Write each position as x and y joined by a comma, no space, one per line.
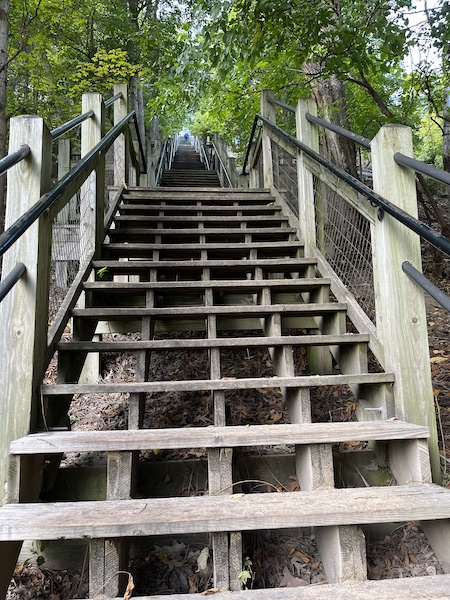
278,219
436,587
130,231
275,264
303,284
215,437
246,342
249,310
218,384
212,246
145,208
218,513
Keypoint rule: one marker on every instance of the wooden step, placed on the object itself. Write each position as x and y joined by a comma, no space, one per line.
215,437
231,232
203,219
195,312
221,342
280,247
204,209
210,250
271,265
200,385
218,196
239,286
436,587
238,512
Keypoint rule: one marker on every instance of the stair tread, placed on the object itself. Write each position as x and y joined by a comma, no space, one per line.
131,231
204,219
277,263
244,284
197,385
128,207
435,587
243,246
221,342
215,437
203,514
247,310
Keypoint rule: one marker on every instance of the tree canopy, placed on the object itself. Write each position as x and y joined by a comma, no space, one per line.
204,62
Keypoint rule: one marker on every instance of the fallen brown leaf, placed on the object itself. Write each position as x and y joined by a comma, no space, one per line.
130,588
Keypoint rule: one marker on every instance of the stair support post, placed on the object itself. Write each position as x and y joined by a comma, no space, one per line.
93,190
319,358
308,134
268,111
24,314
400,307
92,209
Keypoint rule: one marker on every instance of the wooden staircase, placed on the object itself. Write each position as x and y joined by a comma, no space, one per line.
226,266
187,170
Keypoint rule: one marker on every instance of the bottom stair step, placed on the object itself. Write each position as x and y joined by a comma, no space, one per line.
204,514
412,588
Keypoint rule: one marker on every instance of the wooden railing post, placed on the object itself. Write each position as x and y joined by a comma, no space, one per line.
400,307
93,190
268,111
121,154
231,166
24,311
308,134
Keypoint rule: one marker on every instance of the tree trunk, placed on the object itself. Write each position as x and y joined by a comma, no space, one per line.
4,21
330,97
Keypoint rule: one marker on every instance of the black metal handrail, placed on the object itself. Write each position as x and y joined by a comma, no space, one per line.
113,99
15,157
354,137
425,231
426,285
7,283
272,100
66,127
249,146
421,167
141,146
17,229
161,163
225,170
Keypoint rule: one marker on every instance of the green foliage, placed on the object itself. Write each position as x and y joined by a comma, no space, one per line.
106,68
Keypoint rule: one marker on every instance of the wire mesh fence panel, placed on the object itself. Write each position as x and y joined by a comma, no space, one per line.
109,176
71,242
344,238
285,180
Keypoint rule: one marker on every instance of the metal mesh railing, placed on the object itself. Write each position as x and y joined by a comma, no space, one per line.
285,180
344,238
70,244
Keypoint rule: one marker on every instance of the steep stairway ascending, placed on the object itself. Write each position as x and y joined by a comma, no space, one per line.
226,267
188,170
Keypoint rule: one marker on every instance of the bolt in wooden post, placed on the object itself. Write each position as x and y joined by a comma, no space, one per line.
400,307
268,111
